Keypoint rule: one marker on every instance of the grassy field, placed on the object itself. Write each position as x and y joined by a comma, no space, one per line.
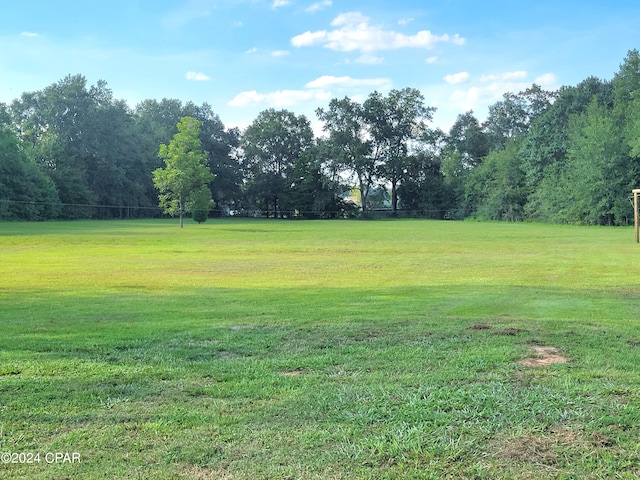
255,349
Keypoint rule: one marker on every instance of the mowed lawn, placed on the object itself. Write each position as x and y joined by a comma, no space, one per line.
274,349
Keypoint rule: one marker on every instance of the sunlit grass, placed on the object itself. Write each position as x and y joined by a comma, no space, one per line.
284,349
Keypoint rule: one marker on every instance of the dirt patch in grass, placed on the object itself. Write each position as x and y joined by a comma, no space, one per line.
194,472
510,331
599,439
544,355
543,449
553,449
529,449
480,326
290,373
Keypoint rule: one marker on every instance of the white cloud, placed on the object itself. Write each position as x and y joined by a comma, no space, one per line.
246,98
328,81
318,6
349,18
279,53
251,50
280,3
456,78
505,76
278,99
316,90
197,76
405,21
354,33
458,40
431,60
493,87
308,38
29,34
547,80
467,99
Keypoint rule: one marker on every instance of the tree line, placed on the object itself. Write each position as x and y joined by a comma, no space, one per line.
72,151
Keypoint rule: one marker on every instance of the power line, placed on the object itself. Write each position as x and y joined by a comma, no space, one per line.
84,205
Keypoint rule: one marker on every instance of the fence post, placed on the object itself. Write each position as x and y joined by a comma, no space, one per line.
636,219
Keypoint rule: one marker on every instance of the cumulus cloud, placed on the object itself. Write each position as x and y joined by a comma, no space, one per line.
318,6
280,3
328,81
492,88
320,89
278,99
547,80
467,99
197,76
456,78
353,32
505,76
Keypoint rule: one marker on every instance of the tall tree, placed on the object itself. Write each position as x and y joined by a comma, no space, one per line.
626,85
26,193
396,122
344,121
467,139
633,135
156,121
311,192
53,122
592,184
185,172
423,189
495,189
85,141
547,140
465,147
272,144
512,116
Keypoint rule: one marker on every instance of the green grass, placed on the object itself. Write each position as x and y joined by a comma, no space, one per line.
254,349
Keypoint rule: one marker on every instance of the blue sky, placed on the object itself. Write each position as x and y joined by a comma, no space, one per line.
243,56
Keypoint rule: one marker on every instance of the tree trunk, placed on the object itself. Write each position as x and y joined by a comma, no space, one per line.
363,195
181,209
394,197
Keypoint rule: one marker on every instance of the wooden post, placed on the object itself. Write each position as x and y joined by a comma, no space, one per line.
636,219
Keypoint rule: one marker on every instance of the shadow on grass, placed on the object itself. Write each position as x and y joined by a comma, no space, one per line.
388,381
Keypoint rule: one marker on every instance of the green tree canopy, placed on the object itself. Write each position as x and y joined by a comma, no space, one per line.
344,121
396,123
272,145
185,171
26,193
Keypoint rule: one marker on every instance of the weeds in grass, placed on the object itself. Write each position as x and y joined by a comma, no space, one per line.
249,350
